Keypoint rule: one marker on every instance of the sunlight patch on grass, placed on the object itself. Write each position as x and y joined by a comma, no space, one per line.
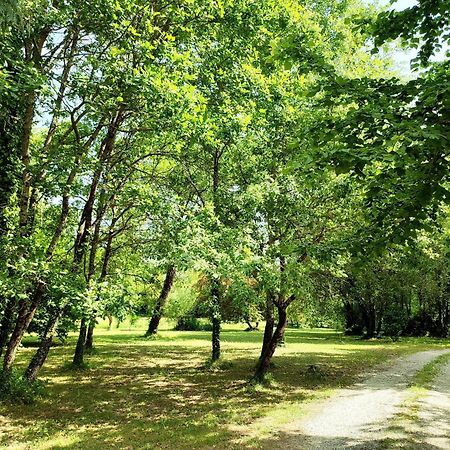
157,393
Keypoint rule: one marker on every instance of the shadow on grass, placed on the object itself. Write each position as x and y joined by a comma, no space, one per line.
139,393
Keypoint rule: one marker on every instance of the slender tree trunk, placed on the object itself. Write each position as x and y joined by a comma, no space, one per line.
215,355
85,224
6,323
215,320
90,334
78,357
159,307
25,316
270,322
41,354
446,318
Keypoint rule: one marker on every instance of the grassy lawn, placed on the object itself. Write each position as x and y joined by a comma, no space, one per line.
143,394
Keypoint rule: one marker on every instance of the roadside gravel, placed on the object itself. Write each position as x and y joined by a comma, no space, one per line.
358,417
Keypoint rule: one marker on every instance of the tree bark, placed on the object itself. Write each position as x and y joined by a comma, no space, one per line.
270,322
159,307
25,316
264,362
41,354
90,334
215,320
6,323
78,357
215,355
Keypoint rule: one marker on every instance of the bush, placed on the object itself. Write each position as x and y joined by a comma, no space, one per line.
191,323
394,320
15,388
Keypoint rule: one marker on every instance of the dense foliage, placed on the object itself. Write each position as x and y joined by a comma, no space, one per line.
229,160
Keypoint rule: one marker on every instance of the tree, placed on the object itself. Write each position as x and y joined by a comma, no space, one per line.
392,135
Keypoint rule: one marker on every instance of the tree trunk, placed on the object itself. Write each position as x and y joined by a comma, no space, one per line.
25,316
282,342
215,320
85,224
90,334
44,347
78,357
159,307
370,321
215,355
264,361
10,130
6,323
446,318
270,322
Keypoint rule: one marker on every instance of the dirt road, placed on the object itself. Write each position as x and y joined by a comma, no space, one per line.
361,417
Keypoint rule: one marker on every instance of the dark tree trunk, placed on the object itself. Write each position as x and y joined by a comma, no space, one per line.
270,322
90,334
265,359
446,318
25,316
353,319
379,324
159,307
78,357
215,355
215,320
370,321
103,274
44,347
6,323
87,326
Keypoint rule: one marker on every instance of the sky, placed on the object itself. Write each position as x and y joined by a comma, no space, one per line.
402,4
404,57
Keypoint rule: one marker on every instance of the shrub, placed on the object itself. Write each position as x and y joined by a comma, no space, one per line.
191,323
15,388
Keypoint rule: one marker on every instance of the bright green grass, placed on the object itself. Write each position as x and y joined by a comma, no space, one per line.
157,394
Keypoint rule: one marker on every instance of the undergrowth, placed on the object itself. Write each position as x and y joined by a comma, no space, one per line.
15,388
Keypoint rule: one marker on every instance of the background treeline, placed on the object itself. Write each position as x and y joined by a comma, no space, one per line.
220,159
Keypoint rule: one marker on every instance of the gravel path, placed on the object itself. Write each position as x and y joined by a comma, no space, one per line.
434,413
357,418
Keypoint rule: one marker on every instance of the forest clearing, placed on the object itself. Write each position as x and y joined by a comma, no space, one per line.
224,224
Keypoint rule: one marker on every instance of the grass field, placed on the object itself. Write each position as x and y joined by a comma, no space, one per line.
157,393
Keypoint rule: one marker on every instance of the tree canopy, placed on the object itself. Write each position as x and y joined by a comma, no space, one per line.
222,161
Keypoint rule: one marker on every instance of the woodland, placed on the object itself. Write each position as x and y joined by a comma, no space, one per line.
264,165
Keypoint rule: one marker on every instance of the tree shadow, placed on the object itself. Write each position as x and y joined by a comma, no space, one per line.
156,394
